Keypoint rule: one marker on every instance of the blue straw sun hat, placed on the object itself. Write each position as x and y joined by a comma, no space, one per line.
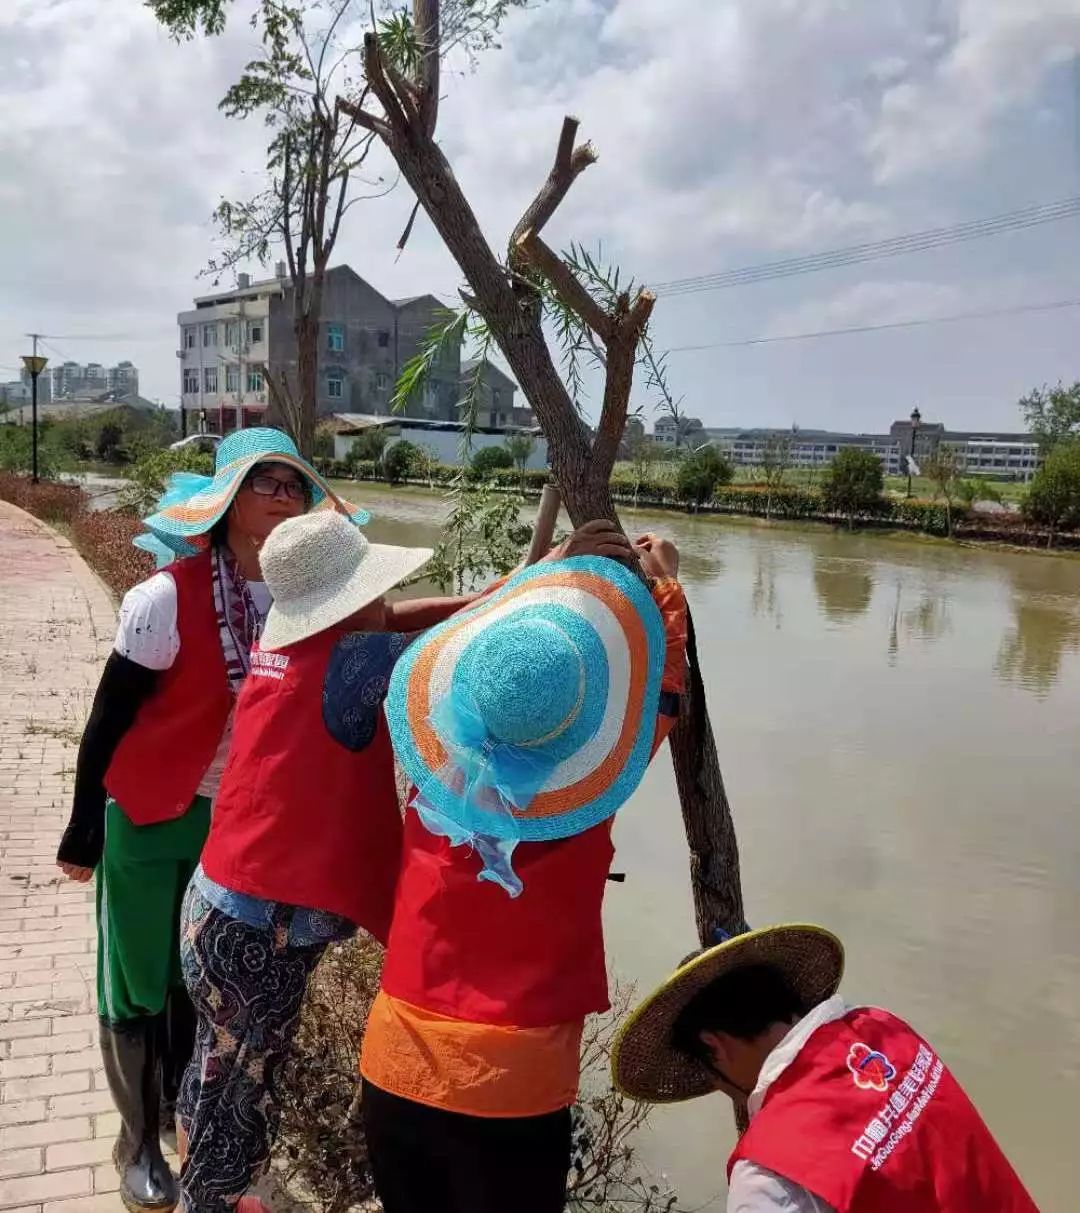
531,716
192,504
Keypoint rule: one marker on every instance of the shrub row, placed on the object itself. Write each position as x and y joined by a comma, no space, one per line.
102,537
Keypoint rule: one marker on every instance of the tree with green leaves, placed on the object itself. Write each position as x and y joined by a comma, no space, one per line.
315,150
369,445
1053,501
700,473
597,317
943,470
520,448
852,483
776,458
490,459
1052,414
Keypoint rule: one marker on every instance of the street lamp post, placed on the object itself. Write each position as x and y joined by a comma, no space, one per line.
916,421
35,364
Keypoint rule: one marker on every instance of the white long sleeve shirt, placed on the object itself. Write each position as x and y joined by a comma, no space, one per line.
754,1189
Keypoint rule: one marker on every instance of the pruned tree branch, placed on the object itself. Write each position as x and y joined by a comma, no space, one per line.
426,24
565,285
570,162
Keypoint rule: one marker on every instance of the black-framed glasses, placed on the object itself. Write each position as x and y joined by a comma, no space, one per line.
270,486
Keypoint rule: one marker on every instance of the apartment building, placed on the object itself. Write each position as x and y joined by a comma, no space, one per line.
231,339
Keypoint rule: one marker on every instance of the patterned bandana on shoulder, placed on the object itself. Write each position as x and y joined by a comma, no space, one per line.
238,620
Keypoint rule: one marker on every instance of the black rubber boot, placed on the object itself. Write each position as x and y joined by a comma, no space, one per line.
176,1042
132,1067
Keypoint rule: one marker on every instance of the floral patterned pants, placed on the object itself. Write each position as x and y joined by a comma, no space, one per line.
247,986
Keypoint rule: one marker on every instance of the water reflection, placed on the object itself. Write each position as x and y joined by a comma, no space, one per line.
764,600
927,620
843,587
1031,651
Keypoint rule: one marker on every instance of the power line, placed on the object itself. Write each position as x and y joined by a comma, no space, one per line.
1057,305
857,254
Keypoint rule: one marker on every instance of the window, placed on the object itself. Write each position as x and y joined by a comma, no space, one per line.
384,339
189,338
191,380
255,381
255,331
382,381
232,378
209,334
495,398
335,385
230,333
335,338
210,378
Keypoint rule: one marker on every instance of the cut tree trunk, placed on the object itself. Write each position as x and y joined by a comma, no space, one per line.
512,310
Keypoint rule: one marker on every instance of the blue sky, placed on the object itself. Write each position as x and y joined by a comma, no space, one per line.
730,132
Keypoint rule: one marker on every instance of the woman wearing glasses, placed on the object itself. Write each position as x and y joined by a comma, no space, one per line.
150,761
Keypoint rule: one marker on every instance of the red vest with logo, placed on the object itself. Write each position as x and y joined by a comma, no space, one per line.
299,817
463,948
161,759
868,1118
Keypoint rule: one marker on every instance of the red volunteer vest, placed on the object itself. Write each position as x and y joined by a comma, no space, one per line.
868,1118
299,818
162,758
463,948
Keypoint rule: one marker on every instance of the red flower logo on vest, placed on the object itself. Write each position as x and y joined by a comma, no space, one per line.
872,1070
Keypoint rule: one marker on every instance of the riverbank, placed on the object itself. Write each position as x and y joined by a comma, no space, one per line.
790,508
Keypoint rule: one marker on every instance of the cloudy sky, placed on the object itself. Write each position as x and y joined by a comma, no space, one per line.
730,132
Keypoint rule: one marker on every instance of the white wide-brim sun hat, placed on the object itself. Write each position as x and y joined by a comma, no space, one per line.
320,569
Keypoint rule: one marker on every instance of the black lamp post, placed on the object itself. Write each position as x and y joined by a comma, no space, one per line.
916,421
35,364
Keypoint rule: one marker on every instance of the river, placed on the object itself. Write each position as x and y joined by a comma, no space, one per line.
897,722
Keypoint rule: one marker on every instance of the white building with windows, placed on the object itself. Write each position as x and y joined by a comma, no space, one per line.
224,348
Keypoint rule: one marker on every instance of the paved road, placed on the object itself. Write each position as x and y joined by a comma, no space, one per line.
57,1125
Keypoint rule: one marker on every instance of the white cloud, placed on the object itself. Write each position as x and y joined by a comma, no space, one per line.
729,132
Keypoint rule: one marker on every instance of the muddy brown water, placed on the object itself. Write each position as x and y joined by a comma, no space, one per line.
898,724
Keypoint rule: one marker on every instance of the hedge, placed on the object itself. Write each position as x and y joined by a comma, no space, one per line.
102,537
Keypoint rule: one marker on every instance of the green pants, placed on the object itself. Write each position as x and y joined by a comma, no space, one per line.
141,880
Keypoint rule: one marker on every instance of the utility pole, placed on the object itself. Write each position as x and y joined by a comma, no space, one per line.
35,365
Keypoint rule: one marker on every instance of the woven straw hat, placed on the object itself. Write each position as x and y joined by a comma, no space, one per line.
320,569
542,697
645,1064
193,504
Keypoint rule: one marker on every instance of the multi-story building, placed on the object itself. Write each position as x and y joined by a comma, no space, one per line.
687,431
495,391
231,340
1004,456
72,379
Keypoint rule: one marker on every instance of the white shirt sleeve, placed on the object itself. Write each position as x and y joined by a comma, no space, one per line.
146,633
753,1189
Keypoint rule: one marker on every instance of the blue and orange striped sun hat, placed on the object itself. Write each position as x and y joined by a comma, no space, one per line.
192,505
531,716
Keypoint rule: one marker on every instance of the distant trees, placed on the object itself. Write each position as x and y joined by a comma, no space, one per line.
1052,414
491,459
943,470
700,473
1054,498
776,457
520,448
852,483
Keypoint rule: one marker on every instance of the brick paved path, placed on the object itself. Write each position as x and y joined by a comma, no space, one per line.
57,1125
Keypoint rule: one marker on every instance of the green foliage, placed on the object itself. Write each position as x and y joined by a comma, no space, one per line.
943,468
520,448
147,478
109,442
483,534
324,441
700,473
1053,500
448,332
1052,414
974,489
368,446
401,461
491,458
852,483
